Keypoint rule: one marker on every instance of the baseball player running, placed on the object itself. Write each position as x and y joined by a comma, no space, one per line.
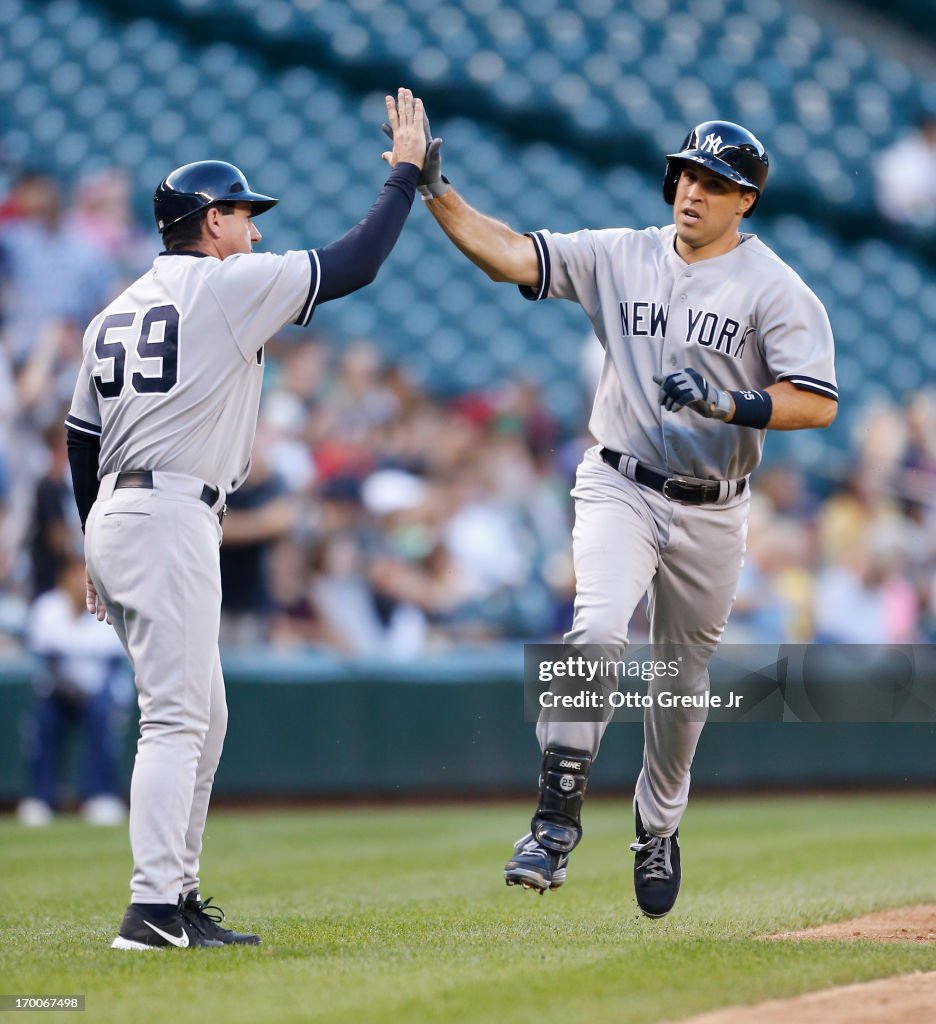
710,339
159,432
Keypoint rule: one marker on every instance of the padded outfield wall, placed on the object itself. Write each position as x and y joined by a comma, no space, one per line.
321,727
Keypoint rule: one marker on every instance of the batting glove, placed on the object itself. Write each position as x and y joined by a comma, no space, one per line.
689,388
432,183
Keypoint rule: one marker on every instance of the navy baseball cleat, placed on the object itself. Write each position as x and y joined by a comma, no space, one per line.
159,926
207,918
534,866
657,871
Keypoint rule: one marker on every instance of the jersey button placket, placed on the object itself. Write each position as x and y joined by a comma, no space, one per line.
674,345
672,359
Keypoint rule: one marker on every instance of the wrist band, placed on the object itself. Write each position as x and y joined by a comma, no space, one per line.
436,189
752,409
721,407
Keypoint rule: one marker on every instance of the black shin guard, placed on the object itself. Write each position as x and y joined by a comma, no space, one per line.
557,824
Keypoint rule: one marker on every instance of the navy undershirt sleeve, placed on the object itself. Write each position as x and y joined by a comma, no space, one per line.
83,453
353,261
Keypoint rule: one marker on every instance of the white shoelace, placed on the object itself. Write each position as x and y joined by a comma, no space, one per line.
657,866
531,845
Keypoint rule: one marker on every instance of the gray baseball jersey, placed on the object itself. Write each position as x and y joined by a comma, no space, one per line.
744,320
171,381
173,367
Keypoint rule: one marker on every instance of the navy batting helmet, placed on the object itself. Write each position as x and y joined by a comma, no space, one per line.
194,187
726,149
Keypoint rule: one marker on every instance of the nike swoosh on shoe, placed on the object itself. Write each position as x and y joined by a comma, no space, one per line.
177,940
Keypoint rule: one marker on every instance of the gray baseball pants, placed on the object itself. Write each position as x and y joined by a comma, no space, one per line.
153,558
628,539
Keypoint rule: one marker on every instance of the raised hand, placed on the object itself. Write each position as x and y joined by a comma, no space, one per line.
407,126
432,182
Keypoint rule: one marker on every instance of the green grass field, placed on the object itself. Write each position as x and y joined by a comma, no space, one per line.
401,914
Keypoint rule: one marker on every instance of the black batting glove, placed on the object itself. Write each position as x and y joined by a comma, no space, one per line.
688,388
431,183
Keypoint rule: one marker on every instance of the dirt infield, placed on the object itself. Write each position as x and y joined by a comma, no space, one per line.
907,997
905,924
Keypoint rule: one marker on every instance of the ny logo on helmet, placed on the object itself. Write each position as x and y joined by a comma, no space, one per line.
712,144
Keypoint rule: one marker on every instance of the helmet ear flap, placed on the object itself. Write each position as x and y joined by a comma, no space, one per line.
671,176
670,180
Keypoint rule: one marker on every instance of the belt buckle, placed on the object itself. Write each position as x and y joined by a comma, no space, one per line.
676,480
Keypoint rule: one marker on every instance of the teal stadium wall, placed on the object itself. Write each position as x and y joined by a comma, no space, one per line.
321,728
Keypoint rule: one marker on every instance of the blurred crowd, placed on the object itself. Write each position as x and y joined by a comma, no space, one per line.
852,560
382,519
905,178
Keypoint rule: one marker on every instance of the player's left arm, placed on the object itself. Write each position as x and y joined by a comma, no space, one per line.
782,406
798,350
793,408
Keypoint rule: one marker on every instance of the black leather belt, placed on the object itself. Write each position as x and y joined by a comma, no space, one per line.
144,478
672,487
